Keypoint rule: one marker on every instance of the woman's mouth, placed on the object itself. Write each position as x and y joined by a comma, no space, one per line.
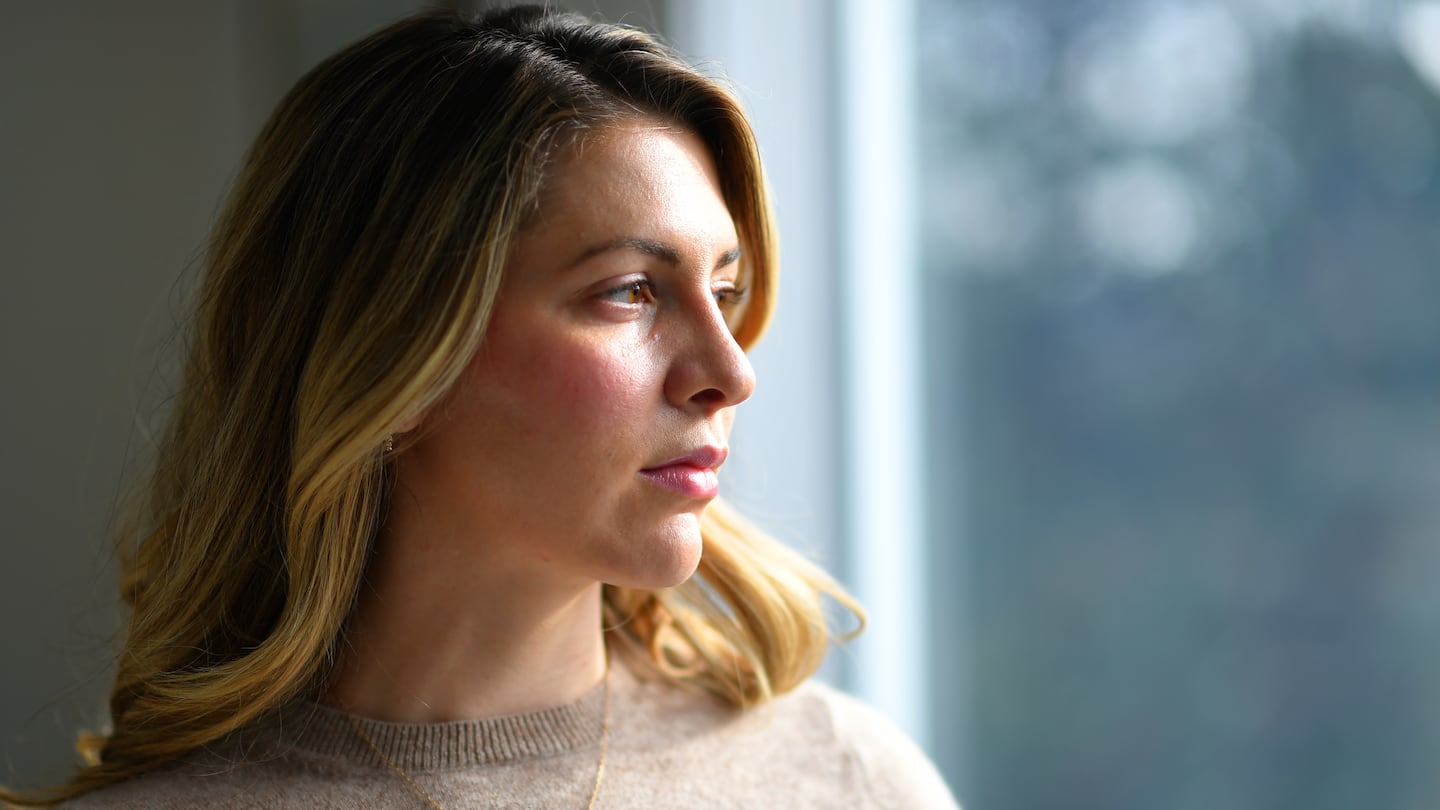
684,479
692,475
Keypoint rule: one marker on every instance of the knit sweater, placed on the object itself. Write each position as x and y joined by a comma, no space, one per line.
812,748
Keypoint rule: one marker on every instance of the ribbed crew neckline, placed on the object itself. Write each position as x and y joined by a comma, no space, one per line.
420,747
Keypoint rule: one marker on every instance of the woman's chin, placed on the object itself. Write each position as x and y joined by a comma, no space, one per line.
671,557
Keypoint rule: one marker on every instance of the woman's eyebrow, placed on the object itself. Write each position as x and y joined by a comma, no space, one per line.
653,248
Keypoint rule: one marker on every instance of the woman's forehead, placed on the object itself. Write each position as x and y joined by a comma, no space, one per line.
644,182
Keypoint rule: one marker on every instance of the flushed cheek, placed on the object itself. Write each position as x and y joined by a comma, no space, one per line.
597,389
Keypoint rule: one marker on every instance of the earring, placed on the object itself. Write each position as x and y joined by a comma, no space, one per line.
390,444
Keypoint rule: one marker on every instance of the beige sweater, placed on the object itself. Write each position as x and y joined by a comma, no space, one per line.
813,748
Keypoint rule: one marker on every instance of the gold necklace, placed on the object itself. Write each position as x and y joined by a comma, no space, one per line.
599,766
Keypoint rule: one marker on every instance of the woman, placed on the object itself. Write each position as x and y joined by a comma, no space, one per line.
427,525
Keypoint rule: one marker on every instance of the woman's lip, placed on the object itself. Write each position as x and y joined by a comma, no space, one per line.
704,457
685,479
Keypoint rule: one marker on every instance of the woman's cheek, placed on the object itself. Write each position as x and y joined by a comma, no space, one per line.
600,386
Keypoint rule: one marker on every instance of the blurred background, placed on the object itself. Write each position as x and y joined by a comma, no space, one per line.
1105,371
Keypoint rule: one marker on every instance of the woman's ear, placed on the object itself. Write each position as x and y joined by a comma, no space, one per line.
411,422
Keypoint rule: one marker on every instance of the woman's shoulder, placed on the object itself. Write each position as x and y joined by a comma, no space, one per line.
815,745
163,790
894,770
175,786
246,785
225,775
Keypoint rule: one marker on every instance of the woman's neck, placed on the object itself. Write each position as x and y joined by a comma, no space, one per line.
434,639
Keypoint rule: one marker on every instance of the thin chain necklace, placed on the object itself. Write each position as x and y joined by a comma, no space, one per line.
424,794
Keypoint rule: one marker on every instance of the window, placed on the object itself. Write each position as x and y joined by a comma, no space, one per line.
1177,382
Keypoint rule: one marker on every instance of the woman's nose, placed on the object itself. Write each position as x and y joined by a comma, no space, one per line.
709,371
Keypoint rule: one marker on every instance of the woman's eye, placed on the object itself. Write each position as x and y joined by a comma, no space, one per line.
639,291
727,297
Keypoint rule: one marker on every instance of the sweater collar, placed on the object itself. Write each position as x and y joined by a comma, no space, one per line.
419,747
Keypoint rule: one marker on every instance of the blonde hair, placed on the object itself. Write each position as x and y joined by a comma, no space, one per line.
349,281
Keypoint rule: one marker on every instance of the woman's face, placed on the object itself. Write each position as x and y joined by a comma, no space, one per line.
583,438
